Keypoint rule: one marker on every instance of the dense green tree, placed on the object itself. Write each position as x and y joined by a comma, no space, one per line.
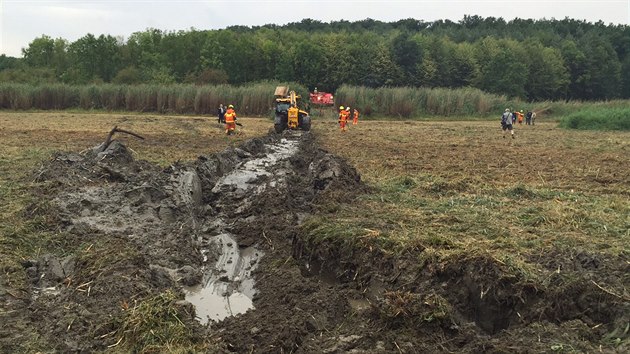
625,78
40,52
575,61
407,54
308,61
602,77
128,75
548,76
8,62
464,66
534,59
181,52
502,69
144,51
95,58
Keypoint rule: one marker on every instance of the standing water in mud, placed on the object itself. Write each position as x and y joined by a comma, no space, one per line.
228,289
228,286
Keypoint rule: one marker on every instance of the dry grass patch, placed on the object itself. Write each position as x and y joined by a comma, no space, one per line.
454,186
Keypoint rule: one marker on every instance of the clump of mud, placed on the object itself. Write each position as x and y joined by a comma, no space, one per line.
132,229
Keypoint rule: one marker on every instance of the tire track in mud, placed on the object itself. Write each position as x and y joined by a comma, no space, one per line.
228,287
209,227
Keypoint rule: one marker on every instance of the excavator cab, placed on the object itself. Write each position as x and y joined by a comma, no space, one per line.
287,113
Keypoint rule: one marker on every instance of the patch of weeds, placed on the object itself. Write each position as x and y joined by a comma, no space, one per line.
404,308
518,268
521,192
493,233
427,257
395,190
351,234
562,348
619,337
154,326
22,236
531,216
104,256
403,184
436,240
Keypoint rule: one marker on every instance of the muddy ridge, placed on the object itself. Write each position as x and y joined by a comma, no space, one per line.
225,233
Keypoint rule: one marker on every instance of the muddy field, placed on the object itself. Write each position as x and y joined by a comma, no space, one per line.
408,237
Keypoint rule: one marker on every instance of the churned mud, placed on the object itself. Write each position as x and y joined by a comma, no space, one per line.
225,232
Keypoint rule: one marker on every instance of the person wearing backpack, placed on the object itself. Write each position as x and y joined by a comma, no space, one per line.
506,122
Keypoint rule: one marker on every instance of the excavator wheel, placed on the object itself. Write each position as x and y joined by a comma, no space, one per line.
305,123
280,124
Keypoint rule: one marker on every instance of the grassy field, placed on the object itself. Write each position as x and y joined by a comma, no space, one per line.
461,186
452,189
447,185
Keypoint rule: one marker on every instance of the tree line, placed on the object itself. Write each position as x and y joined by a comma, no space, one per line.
527,59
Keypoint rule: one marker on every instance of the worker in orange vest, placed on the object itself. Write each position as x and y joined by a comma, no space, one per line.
230,120
519,116
343,118
355,116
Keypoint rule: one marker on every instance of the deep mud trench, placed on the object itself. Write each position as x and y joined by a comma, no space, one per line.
224,232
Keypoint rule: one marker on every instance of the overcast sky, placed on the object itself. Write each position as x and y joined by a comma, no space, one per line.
21,21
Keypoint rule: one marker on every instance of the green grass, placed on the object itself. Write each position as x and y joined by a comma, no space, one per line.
406,212
613,118
154,325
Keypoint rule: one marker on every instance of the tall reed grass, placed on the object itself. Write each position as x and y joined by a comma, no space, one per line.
408,102
254,99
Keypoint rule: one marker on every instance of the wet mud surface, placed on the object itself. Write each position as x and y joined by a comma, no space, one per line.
225,232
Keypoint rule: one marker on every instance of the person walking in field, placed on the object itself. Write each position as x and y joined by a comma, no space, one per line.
533,117
343,118
230,120
507,119
221,113
355,116
513,117
519,116
528,118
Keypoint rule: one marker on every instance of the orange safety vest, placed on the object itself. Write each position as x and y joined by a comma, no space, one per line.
356,115
230,116
343,115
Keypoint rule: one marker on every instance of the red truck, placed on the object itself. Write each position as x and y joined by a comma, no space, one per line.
322,98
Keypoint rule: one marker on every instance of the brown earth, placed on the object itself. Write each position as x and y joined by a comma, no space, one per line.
131,230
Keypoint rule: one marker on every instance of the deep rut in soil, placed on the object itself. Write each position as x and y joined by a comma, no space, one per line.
228,285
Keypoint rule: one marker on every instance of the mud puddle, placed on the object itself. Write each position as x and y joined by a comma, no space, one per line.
228,287
247,175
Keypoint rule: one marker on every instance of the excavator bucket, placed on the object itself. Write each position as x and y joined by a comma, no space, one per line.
281,91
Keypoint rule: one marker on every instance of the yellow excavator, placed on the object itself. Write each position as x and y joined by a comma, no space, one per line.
287,113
